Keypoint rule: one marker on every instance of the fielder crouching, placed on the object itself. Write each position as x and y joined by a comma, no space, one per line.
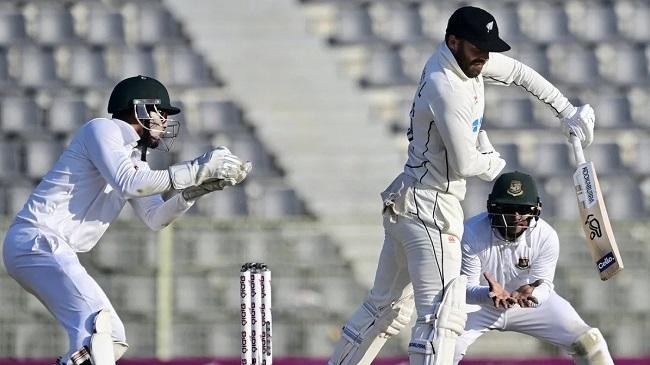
509,257
104,167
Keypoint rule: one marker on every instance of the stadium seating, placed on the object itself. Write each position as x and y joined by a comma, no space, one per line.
60,59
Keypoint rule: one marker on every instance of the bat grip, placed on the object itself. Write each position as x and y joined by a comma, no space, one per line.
577,150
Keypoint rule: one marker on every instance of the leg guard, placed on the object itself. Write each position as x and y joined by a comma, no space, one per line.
101,342
591,349
368,330
433,339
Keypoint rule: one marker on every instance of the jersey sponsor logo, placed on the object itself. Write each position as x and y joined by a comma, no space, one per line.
605,262
594,227
476,125
523,263
515,188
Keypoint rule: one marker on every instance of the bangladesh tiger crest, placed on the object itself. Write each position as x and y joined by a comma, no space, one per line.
523,263
515,188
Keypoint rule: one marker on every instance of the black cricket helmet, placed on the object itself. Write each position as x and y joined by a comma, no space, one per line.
514,196
149,100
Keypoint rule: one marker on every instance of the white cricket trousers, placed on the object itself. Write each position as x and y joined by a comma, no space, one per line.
554,321
55,276
414,254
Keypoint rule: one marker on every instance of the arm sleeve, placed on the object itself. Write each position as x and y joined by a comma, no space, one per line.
155,212
503,70
544,266
453,119
471,267
107,152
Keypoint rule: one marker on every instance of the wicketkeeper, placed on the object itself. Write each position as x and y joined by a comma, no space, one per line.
102,169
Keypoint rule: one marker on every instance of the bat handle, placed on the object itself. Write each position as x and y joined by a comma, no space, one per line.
577,150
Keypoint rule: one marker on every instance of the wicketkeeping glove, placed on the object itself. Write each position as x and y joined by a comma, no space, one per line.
216,164
580,123
210,185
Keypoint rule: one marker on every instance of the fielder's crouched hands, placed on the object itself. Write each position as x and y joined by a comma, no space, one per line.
579,122
500,297
216,164
524,295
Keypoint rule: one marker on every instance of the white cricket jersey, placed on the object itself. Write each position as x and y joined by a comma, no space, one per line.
447,113
91,181
532,256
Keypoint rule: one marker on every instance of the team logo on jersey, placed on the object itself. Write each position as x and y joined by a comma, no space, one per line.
489,26
476,125
523,263
515,188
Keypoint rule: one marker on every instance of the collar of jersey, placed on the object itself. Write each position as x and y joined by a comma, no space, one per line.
129,134
449,61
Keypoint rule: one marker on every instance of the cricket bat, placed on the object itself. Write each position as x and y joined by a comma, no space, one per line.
595,221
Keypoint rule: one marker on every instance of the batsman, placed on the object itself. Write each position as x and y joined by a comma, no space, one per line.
509,258
102,169
422,217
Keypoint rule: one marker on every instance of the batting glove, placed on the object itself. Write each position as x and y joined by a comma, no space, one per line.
216,164
580,123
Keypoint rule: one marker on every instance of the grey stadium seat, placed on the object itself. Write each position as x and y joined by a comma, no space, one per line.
551,159
35,67
231,202
185,68
384,68
151,23
87,68
353,24
622,63
543,22
40,156
607,158
10,159
511,111
65,115
20,115
560,199
403,23
623,197
573,63
476,197
54,24
602,20
129,61
104,25
612,108
633,18
12,25
640,164
219,117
